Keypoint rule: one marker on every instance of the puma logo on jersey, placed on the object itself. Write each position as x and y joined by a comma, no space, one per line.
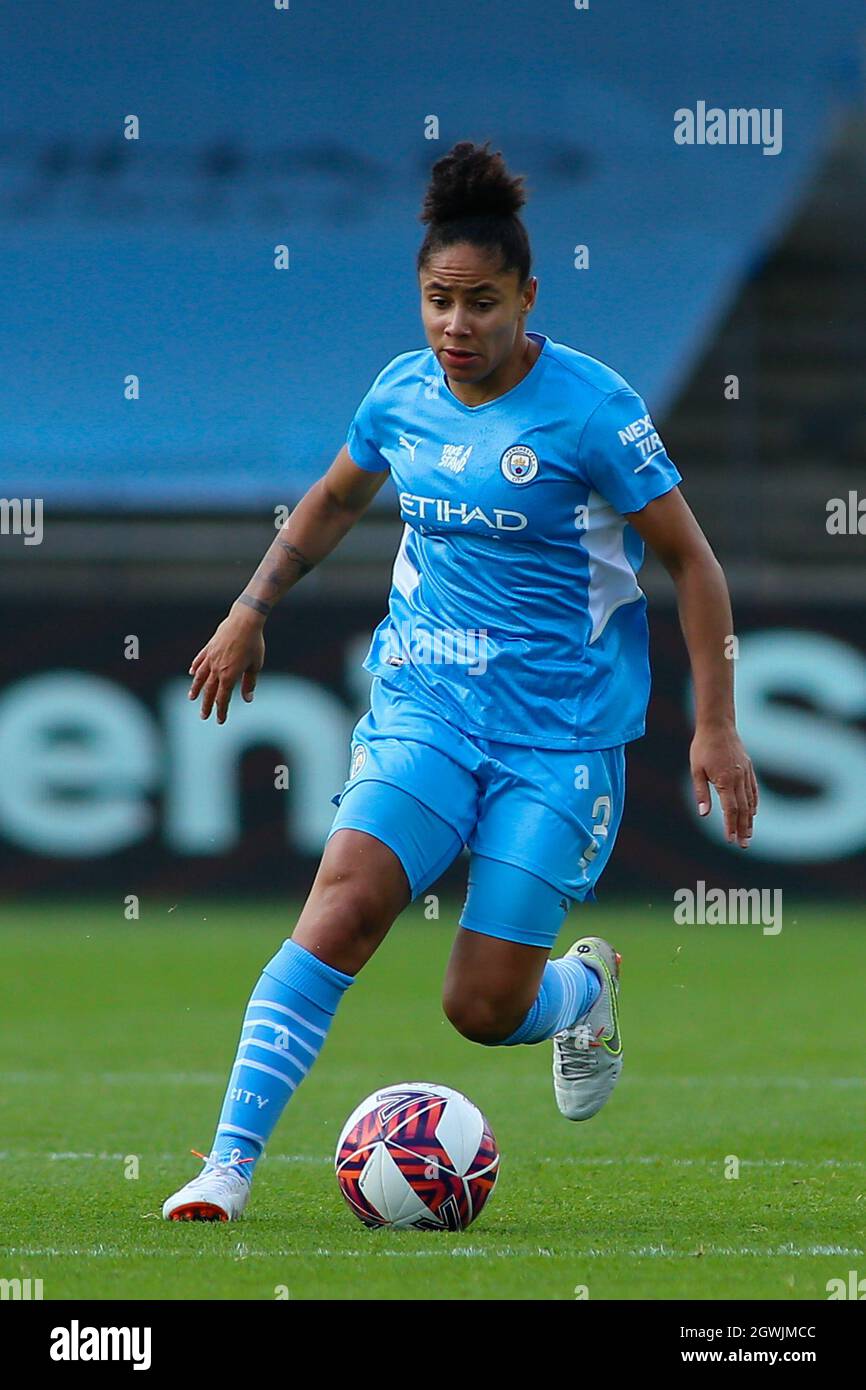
409,445
455,457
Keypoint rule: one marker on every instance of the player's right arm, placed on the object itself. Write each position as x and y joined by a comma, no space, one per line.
318,523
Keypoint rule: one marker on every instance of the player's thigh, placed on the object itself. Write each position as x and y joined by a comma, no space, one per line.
399,745
359,890
508,925
384,847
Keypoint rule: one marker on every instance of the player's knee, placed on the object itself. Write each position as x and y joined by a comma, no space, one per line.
478,1019
350,904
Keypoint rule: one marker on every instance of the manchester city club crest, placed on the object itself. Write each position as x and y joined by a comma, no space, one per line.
359,757
519,464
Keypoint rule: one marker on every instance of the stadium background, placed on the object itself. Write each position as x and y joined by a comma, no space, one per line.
155,257
306,127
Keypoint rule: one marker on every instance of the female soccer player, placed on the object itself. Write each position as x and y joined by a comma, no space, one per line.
508,675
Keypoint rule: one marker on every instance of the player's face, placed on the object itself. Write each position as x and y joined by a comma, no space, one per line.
469,306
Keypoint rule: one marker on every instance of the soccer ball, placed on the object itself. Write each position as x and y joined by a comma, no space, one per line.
417,1154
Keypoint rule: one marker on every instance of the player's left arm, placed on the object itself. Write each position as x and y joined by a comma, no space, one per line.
717,756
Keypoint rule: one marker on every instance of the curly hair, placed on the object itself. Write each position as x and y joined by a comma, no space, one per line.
472,197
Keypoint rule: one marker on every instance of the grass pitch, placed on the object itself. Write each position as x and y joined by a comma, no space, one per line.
116,1038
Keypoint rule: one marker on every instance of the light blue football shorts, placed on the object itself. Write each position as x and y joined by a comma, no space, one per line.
540,823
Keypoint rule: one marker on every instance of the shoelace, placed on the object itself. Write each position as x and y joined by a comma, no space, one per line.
578,1063
223,1171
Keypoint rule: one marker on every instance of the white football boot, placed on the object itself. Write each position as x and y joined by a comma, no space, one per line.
219,1193
587,1058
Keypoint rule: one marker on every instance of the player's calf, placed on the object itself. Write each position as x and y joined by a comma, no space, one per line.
289,1014
500,992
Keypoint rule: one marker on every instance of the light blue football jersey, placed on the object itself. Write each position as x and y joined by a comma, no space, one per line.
515,610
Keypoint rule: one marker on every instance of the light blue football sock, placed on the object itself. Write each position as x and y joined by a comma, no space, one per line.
286,1022
568,991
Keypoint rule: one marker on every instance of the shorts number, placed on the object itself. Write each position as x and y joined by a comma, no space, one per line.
601,815
601,808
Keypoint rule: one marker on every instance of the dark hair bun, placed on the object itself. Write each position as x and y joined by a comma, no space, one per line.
469,181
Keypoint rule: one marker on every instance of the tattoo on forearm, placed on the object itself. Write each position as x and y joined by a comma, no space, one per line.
272,576
255,603
294,554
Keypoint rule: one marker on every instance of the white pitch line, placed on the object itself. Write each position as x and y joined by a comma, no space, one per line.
664,1160
794,1083
215,1078
788,1251
116,1078
93,1157
588,1161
